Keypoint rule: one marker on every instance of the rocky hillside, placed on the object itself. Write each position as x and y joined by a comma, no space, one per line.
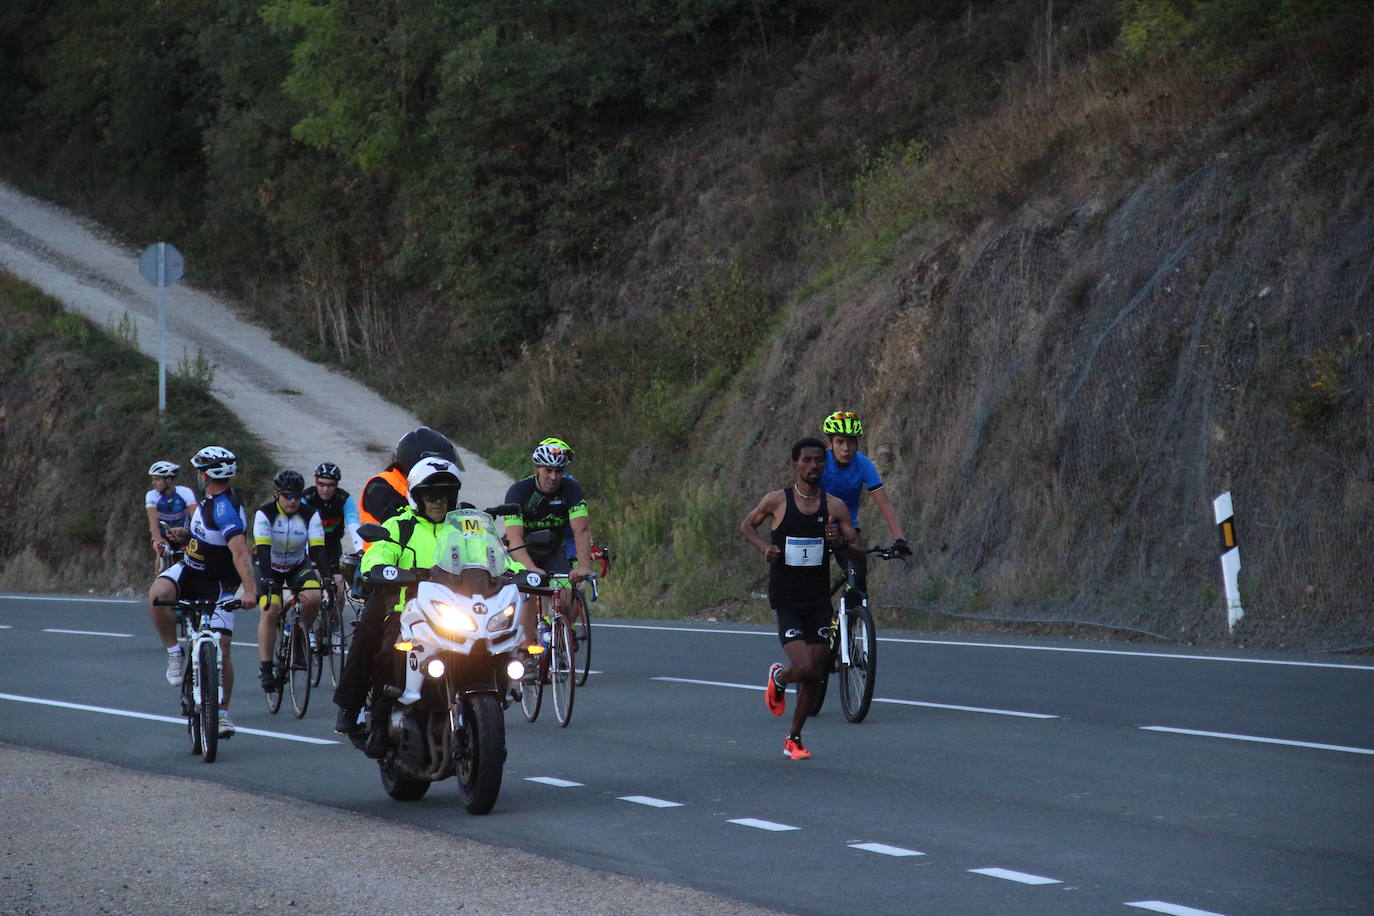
1080,265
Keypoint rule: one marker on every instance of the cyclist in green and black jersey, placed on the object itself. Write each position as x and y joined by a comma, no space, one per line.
549,500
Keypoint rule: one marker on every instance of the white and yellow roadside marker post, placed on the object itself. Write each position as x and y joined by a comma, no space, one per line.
1230,558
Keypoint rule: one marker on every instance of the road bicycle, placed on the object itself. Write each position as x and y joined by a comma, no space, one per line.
330,637
202,682
553,665
853,645
291,659
580,618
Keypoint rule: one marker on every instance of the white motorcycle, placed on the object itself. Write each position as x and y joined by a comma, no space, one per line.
456,657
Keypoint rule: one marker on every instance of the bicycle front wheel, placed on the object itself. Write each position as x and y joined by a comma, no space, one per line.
562,676
857,677
299,657
209,701
532,689
581,622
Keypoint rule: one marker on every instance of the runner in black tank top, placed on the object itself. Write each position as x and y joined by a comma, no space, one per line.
807,524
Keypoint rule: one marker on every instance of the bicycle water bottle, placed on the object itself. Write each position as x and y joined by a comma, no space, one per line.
543,633
287,628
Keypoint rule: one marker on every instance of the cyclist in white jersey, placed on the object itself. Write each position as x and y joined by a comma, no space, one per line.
168,506
288,541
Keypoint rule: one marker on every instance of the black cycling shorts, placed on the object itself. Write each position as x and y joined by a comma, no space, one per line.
299,577
806,620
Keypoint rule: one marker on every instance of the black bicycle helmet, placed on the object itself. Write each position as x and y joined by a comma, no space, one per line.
328,470
422,442
287,481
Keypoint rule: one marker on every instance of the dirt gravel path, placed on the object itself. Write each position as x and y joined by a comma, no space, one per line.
305,412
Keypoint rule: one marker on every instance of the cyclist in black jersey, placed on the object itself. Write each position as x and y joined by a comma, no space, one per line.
339,516
549,500
808,525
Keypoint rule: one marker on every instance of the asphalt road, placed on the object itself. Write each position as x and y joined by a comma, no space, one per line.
991,776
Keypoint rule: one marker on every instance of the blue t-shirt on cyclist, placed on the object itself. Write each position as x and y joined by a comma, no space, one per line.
848,481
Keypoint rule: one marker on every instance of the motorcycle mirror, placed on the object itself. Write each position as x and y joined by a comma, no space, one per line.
543,538
371,532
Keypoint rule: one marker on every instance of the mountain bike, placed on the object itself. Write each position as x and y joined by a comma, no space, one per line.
555,664
853,645
202,683
291,659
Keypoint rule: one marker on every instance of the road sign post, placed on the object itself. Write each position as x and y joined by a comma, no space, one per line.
161,265
1230,558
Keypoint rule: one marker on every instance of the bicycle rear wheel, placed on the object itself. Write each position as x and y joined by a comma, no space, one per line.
858,677
562,676
188,705
274,697
300,664
581,621
321,650
209,701
334,648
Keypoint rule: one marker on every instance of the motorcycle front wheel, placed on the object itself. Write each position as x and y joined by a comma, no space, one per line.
481,752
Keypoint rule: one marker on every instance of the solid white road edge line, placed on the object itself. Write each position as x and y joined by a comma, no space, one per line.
1311,744
995,712
1019,877
89,633
1003,645
650,801
175,720
1172,909
884,849
761,825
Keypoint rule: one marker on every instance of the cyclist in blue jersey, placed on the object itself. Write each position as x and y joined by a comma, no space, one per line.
168,506
216,562
848,473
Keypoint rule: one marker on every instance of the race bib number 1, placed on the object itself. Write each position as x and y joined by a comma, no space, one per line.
804,551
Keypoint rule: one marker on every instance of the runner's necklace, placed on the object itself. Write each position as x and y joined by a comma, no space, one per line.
815,495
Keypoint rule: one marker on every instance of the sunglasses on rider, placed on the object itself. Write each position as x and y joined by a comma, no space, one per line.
284,494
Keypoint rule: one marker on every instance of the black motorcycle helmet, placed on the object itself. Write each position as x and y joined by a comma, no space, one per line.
422,442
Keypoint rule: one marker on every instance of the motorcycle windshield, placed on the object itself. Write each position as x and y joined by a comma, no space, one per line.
468,540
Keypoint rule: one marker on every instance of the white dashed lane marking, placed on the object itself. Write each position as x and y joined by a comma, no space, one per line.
885,850
995,712
1321,747
90,633
1172,909
554,781
650,801
175,720
1019,877
761,825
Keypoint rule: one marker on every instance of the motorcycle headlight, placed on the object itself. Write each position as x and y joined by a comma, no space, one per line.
502,621
454,618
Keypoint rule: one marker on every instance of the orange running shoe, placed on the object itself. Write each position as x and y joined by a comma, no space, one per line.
774,695
793,749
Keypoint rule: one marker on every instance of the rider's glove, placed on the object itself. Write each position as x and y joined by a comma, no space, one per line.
264,587
901,547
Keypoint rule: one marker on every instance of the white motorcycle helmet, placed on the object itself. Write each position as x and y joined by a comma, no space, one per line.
434,475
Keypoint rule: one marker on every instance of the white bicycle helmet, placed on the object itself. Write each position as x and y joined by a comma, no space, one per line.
216,462
163,469
552,453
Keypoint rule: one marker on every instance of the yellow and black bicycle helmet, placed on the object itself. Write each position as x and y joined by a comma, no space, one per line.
843,423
